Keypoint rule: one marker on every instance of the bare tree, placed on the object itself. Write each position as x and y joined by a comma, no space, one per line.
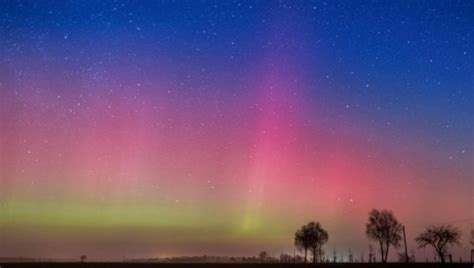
439,237
385,229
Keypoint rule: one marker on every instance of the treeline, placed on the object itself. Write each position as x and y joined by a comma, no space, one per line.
386,231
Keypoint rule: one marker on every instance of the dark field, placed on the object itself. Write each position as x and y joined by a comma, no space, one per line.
231,265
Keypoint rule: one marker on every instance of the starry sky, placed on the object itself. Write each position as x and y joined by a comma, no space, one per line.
163,128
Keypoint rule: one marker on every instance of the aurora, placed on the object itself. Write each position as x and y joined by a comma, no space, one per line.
165,128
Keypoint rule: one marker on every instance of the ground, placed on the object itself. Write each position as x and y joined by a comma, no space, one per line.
231,265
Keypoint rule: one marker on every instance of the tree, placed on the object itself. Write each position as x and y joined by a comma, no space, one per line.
385,229
302,241
319,237
263,256
439,237
311,236
83,258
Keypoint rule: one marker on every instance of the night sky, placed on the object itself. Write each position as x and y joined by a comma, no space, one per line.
164,128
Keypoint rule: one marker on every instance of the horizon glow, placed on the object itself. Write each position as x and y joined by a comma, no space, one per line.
141,129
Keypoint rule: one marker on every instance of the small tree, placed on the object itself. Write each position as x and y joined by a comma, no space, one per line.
439,237
83,258
385,229
263,256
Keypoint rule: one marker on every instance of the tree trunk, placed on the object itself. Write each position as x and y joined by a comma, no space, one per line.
381,252
386,253
305,254
441,256
314,254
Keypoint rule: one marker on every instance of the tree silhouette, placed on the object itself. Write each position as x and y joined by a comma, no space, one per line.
263,256
83,258
311,236
385,229
319,237
303,240
439,237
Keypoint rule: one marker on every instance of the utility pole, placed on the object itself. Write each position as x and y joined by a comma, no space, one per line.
405,242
